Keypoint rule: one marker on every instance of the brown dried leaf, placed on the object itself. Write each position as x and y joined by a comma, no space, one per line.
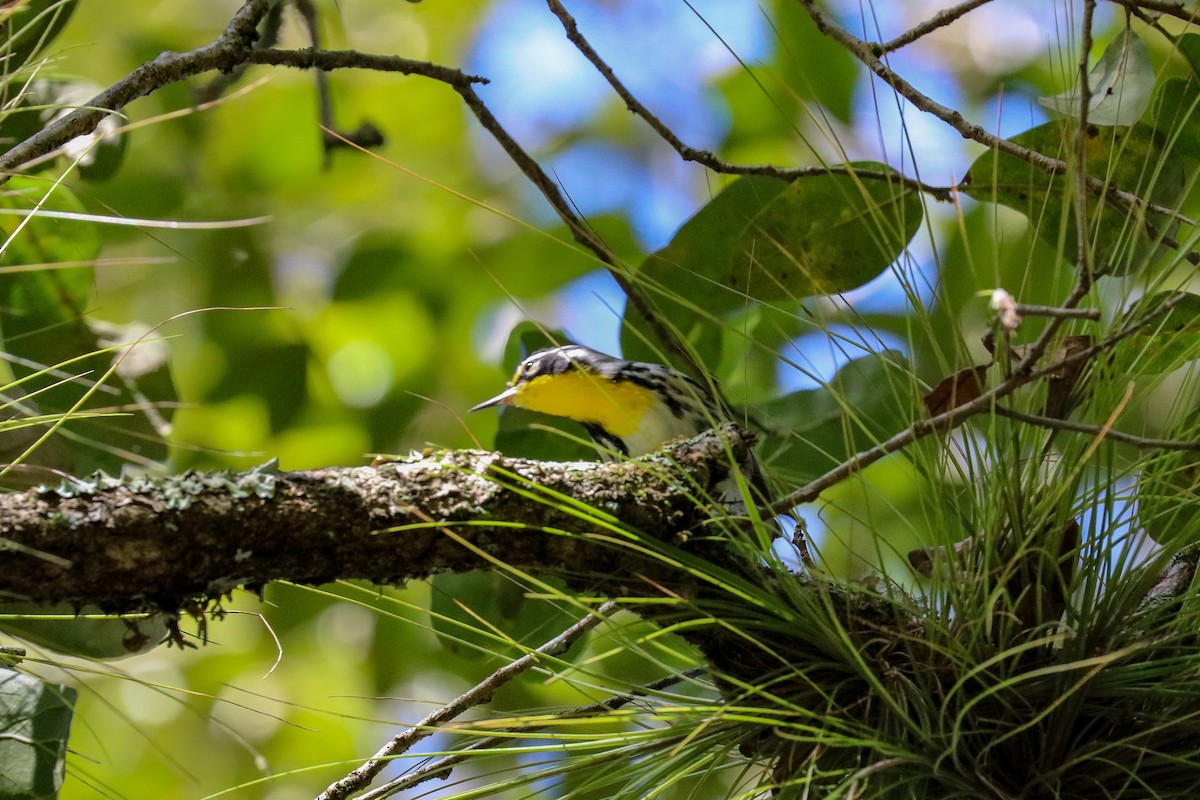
960,388
1061,397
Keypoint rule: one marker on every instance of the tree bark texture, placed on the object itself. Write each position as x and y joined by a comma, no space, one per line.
167,543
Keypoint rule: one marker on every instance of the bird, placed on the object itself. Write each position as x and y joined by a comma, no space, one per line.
629,408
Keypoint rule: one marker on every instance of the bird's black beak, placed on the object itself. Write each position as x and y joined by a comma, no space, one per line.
505,398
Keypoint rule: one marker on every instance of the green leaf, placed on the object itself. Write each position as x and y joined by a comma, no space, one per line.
824,234
814,430
1189,46
43,239
35,721
688,280
526,338
812,65
1175,117
67,628
1166,344
1130,159
1121,82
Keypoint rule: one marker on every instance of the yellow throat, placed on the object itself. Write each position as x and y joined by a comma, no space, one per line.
616,406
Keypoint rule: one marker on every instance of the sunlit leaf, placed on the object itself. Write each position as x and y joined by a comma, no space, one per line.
1121,82
1130,159
824,234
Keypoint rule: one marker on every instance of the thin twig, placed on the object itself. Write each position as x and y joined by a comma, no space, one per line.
707,159
1190,256
442,767
481,693
1145,442
234,48
367,136
1057,311
1035,351
230,50
938,20
268,36
1171,9
324,102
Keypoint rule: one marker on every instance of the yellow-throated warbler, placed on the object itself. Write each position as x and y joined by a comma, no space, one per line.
629,408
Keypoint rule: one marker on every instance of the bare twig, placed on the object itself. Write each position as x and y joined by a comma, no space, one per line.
1098,431
1056,311
582,233
1171,9
479,694
313,26
1083,258
234,48
268,36
1190,256
226,53
367,136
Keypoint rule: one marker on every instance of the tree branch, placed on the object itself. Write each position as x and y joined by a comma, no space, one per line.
161,544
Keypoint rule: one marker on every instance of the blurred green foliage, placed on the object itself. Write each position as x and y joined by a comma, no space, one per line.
322,315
